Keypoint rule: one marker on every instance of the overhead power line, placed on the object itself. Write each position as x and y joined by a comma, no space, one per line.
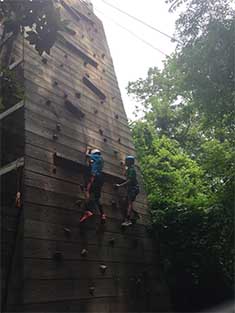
134,34
140,21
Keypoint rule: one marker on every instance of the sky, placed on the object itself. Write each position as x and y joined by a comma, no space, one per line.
132,58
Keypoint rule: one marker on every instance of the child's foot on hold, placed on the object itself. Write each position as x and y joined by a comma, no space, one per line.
85,216
103,218
127,223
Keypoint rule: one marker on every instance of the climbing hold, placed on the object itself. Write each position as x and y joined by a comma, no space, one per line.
92,39
96,30
101,131
103,70
55,137
84,252
114,203
85,64
105,140
95,111
44,60
66,56
92,290
79,202
116,116
103,268
54,170
61,65
48,102
67,231
113,98
65,96
119,140
78,95
103,56
94,55
101,102
18,200
121,163
87,75
58,126
115,152
57,256
138,281
112,241
83,35
55,83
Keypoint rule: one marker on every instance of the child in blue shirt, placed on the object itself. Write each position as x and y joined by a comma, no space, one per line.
94,184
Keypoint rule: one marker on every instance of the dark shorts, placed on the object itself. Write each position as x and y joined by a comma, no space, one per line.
132,192
96,187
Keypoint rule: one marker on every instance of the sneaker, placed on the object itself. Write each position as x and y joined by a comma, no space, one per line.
103,218
127,223
86,215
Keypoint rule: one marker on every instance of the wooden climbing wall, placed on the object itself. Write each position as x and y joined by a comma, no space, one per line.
72,100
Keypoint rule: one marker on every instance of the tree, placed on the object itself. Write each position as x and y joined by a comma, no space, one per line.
185,144
40,18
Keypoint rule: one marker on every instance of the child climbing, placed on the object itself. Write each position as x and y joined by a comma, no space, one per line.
94,184
132,187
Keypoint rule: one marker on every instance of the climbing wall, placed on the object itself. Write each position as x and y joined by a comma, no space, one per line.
72,101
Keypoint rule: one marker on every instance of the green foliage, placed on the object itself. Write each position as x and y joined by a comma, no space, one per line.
12,89
41,19
185,145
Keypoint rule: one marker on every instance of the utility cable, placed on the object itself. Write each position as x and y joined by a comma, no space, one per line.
141,21
134,34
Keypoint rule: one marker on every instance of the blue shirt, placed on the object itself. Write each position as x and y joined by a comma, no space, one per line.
96,163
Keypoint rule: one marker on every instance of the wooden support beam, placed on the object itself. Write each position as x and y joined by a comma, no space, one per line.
95,89
6,40
11,110
15,64
11,166
70,10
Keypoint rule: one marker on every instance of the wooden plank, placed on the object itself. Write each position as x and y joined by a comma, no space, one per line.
72,65
41,291
41,94
42,229
36,269
46,249
58,113
69,139
59,159
75,175
35,195
49,183
77,51
11,110
12,166
65,85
